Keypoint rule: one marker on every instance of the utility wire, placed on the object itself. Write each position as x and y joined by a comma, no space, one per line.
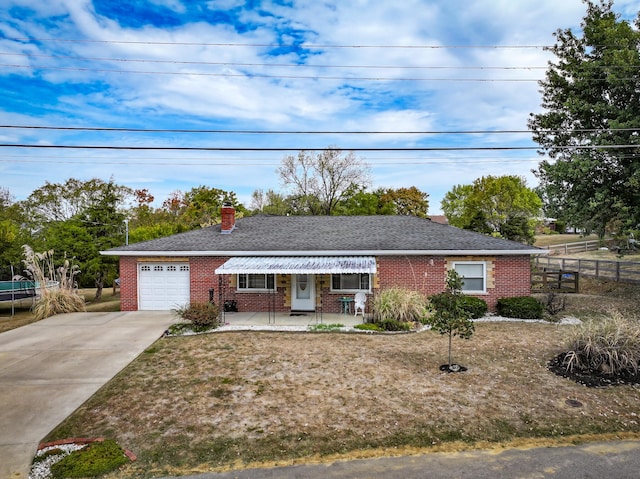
181,163
287,65
312,132
298,65
276,45
259,75
276,149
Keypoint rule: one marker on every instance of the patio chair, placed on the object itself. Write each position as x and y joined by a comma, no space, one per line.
359,302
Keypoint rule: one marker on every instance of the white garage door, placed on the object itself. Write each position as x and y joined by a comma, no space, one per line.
162,286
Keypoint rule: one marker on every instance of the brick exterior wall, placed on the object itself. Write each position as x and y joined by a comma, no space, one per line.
128,283
507,276
512,278
203,277
421,273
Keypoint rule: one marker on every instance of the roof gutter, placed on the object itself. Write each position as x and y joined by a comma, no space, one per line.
439,252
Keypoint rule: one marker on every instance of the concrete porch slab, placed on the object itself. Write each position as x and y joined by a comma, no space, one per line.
290,319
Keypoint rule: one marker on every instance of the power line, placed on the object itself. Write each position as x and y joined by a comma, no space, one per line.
261,132
181,164
310,132
276,45
284,149
291,77
298,65
268,162
260,75
182,157
257,161
286,65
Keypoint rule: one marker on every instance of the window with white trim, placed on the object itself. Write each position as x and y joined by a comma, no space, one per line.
254,282
351,282
473,274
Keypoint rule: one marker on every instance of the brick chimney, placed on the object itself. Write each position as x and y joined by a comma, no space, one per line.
228,214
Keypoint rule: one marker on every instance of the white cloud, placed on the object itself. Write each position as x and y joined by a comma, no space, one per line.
76,96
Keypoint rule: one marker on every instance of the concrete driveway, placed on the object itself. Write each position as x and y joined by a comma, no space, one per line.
49,368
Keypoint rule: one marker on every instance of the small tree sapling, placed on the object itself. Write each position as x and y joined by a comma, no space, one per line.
450,316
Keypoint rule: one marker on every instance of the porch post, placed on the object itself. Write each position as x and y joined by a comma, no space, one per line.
221,298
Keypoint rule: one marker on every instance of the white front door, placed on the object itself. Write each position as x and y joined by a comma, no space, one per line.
303,292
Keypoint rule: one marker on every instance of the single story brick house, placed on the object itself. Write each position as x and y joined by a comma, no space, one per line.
308,263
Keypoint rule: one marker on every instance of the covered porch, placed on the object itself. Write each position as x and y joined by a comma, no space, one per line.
295,289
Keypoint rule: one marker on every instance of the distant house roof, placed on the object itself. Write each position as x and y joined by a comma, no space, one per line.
326,235
442,219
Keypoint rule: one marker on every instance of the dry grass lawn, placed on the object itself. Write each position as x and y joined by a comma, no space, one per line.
633,257
547,240
227,400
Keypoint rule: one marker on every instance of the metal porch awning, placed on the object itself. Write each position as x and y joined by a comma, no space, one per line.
298,265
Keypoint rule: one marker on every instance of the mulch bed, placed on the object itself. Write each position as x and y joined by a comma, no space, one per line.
591,378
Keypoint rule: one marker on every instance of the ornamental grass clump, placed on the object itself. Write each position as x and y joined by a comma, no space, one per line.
400,305
52,299
610,346
395,305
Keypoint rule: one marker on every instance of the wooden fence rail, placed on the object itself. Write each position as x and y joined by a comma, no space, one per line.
558,281
622,272
577,247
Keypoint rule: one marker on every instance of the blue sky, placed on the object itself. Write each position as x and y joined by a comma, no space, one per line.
280,65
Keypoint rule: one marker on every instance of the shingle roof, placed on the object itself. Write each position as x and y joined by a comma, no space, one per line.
272,235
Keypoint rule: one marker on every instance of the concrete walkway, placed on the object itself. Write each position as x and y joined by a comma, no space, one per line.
50,368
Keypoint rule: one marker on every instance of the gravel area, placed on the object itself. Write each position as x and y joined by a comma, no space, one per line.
42,469
486,319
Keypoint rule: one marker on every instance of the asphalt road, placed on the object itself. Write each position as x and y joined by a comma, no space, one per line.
610,460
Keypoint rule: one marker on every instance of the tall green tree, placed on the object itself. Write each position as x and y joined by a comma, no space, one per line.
63,201
104,222
12,234
384,201
203,203
269,203
78,219
159,229
147,222
591,123
497,205
408,201
200,206
142,213
359,201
